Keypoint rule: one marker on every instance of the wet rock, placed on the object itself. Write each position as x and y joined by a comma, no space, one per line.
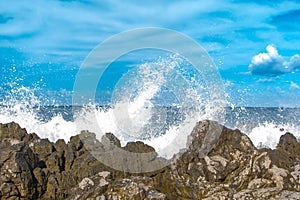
12,131
138,147
233,166
77,142
110,141
289,144
31,138
218,163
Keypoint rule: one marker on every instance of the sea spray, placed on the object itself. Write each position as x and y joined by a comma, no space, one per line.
153,113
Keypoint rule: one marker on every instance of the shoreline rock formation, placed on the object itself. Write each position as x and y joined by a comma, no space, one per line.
233,168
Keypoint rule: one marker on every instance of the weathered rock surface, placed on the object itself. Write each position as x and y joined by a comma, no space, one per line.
232,168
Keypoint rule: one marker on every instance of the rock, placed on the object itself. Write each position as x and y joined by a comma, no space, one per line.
77,142
155,195
104,174
31,138
289,144
126,189
60,146
69,156
16,167
85,183
43,148
110,141
52,187
93,187
85,165
218,163
233,166
133,188
138,147
40,177
54,162
12,131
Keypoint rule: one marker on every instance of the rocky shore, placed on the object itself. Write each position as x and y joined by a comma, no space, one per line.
35,168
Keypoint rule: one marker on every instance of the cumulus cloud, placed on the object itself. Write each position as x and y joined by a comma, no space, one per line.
272,63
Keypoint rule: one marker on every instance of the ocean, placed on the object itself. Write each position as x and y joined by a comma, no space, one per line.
148,102
264,125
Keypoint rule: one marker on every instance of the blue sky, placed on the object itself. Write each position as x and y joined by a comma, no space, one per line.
253,43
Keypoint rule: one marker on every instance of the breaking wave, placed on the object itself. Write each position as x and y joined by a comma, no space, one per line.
158,103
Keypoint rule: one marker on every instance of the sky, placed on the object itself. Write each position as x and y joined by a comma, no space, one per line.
254,44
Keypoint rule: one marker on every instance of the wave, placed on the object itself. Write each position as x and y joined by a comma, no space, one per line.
268,134
62,122
139,110
59,122
158,103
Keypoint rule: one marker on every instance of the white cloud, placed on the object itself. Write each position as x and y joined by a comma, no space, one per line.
267,80
73,28
295,62
272,63
294,85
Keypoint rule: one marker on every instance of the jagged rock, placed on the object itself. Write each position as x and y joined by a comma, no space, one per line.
43,148
30,139
288,143
12,131
40,176
77,142
85,183
54,162
16,165
135,188
110,141
232,165
218,163
69,156
60,146
91,188
138,147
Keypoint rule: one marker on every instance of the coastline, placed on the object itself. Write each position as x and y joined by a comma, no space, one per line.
35,168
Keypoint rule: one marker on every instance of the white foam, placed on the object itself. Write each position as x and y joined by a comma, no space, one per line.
174,139
56,128
23,112
268,134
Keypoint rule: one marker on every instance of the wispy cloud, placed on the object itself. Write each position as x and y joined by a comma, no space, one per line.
294,85
229,30
73,28
287,21
232,31
267,80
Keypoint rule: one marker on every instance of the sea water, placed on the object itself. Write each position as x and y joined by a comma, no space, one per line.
264,125
148,113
